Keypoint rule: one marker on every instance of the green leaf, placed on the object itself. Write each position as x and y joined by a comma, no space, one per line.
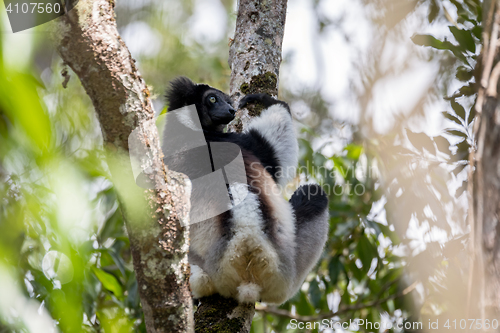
464,74
456,50
462,152
118,259
353,151
468,90
451,117
109,281
456,133
357,273
304,308
428,40
315,293
477,31
459,109
366,252
21,103
464,38
472,114
335,267
113,227
319,159
133,295
106,259
305,152
433,11
393,236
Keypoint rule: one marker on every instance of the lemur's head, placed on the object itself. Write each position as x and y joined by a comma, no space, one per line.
214,107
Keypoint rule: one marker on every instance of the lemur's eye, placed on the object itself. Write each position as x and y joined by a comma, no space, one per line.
212,99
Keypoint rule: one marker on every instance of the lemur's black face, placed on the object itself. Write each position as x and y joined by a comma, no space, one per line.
219,107
215,109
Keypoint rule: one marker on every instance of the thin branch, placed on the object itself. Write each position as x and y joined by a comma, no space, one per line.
490,47
287,314
491,91
490,53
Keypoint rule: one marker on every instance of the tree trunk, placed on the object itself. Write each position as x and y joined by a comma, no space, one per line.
254,58
88,41
484,188
255,53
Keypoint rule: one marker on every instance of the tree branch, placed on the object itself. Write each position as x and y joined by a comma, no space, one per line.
287,314
255,53
88,41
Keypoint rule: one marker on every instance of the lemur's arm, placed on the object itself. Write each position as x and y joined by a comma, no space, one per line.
274,130
263,99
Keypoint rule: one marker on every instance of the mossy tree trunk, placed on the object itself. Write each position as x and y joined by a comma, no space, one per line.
255,53
88,41
254,58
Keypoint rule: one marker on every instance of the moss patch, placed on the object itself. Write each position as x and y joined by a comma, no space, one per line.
262,83
211,316
245,88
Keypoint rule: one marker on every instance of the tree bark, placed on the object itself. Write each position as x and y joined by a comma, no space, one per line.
88,41
484,178
254,58
255,53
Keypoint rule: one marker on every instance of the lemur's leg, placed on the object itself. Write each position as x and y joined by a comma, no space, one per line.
275,126
201,284
310,204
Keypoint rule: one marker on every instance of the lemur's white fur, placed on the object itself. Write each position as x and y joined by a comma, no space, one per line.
249,293
249,267
276,126
200,282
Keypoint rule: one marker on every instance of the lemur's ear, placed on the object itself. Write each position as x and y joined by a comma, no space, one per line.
181,93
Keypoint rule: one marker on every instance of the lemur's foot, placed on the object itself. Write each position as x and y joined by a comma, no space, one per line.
201,284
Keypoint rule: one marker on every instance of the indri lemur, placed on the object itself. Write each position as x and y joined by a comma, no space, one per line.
264,247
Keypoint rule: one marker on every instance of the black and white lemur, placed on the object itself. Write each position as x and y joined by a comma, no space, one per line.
264,247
